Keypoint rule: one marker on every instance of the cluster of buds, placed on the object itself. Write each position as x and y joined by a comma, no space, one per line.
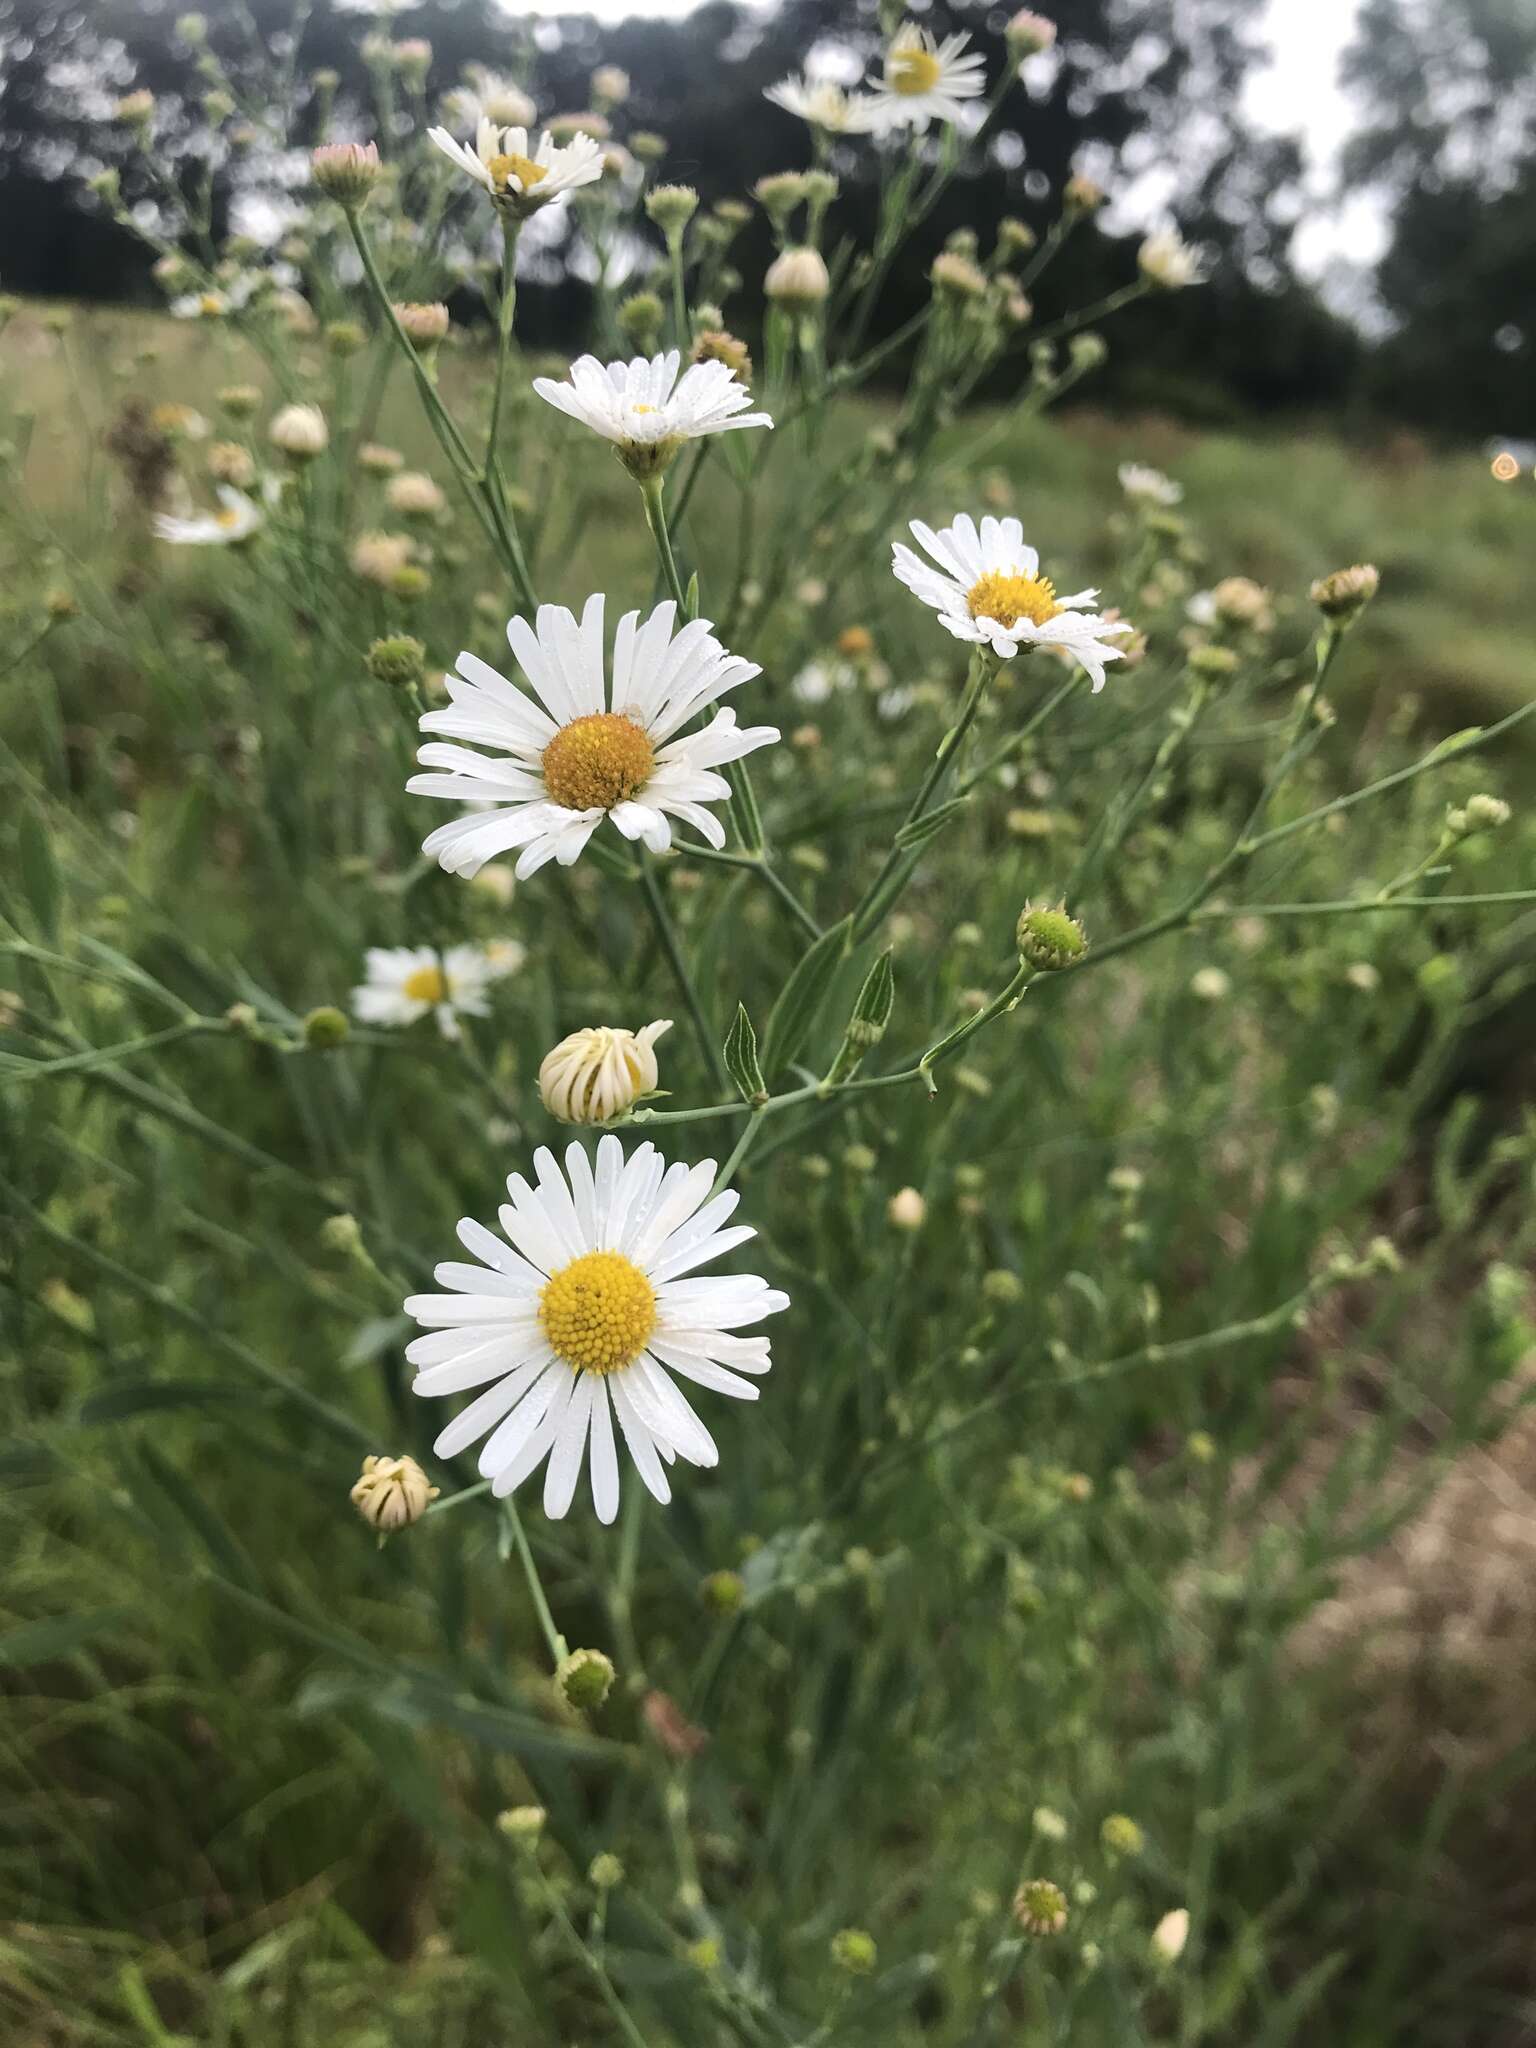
1481,813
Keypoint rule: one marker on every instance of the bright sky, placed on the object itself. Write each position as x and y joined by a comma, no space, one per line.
1297,90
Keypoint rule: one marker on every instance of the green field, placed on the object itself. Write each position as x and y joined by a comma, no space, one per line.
1135,1523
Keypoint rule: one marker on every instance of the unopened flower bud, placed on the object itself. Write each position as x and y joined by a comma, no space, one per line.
957,277
299,432
1086,352
595,1075
648,147
398,661
61,604
1210,984
640,317
797,279
1027,34
715,345
1121,1835
1170,1935
392,1493
1346,593
584,1679
854,1950
136,108
240,401
344,338
1049,939
325,1029
1015,237
1486,813
1082,195
779,194
671,207
610,86
414,496
425,324
723,1591
907,1210
605,1872
347,172
1040,1907
522,1823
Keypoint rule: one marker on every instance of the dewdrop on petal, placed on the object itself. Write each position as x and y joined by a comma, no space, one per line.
584,1679
1170,1935
1040,1907
595,1075
392,1493
299,432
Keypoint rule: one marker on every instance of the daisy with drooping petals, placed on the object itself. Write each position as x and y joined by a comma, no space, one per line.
579,1316
647,410
925,80
517,174
582,747
825,105
236,520
407,982
988,589
595,1075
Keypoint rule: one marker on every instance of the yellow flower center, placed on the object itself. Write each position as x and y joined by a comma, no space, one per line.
426,985
912,70
523,168
598,1312
598,761
210,304
227,518
642,408
1007,599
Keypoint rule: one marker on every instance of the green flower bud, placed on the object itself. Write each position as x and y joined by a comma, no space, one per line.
400,661
1049,939
325,1029
584,1679
854,1951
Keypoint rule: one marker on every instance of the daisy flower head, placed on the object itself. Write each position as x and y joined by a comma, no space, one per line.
407,982
583,1314
924,80
594,739
647,410
518,174
1144,485
825,105
1167,261
237,519
988,589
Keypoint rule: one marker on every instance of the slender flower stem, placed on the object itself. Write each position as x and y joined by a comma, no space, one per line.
594,1965
506,307
755,864
743,1146
558,1647
656,520
666,932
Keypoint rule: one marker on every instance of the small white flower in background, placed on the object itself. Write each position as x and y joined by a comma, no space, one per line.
610,85
1200,609
582,747
594,1075
818,679
299,432
517,173
826,106
237,520
408,982
1210,984
209,305
415,495
924,80
488,96
1170,1935
1144,485
1167,261
579,1316
907,1210
379,557
647,410
988,589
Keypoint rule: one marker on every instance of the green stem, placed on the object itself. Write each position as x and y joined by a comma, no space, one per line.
558,1648
753,864
666,932
504,312
656,520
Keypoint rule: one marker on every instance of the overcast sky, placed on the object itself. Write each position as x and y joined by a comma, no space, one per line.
1297,90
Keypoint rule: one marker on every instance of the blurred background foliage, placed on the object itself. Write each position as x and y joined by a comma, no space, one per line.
1446,142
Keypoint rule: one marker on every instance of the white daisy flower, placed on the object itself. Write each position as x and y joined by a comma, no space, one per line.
925,80
1200,609
580,748
580,1315
647,410
1148,486
237,520
490,96
988,589
825,105
1167,260
407,982
515,172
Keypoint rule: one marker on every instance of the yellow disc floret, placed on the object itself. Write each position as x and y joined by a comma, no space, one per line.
1007,599
426,985
598,1312
911,69
599,761
527,173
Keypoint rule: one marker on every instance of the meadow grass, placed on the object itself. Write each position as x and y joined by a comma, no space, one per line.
1022,1568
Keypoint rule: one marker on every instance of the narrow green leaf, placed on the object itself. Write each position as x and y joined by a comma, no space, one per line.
39,873
802,996
745,816
126,1398
209,1528
41,1642
931,823
872,1011
741,1061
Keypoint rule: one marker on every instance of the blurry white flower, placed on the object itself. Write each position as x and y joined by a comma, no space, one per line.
925,80
209,305
1147,486
907,1210
1200,609
379,557
490,97
515,172
826,106
798,278
1210,984
414,495
647,410
300,432
593,1075
817,680
407,982
990,592
1170,1935
1167,260
580,1315
238,520
610,85
581,748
